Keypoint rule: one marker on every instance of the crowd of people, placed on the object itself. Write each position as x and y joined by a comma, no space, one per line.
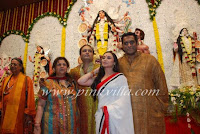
118,96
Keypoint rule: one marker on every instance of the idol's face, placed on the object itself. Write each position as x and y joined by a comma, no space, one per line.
129,45
184,32
101,14
39,48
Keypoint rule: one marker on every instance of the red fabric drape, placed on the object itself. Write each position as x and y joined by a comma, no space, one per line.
21,17
181,126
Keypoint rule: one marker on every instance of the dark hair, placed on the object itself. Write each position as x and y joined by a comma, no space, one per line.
102,73
142,34
84,46
182,30
54,66
129,34
41,48
180,52
20,62
96,20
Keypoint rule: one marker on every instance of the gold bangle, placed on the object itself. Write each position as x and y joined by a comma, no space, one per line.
36,124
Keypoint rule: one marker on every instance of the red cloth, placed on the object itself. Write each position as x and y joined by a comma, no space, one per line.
181,126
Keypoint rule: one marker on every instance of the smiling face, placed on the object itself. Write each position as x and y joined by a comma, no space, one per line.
61,68
129,45
108,60
86,54
15,67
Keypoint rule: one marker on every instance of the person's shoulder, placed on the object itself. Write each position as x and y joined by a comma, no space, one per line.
96,65
48,82
75,68
146,47
28,78
149,59
121,75
148,56
6,77
121,58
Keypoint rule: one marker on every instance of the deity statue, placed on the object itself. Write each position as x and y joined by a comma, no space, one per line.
105,32
197,46
102,25
141,46
41,66
4,67
185,58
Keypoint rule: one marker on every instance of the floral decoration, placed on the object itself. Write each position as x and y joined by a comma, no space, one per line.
185,101
16,32
63,21
158,44
153,5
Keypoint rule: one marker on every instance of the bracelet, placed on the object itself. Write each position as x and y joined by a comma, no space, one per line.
36,124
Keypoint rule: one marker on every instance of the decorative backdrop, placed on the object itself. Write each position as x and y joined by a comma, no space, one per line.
53,24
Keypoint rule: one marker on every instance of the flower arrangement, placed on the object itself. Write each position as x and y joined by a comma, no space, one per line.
153,5
185,100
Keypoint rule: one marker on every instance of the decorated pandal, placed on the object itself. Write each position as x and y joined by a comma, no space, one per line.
102,28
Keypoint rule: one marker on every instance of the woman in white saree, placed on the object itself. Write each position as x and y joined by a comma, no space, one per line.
114,113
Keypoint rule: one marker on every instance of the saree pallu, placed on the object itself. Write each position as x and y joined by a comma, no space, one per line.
114,114
16,103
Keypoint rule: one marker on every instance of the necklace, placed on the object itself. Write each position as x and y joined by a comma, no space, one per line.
7,90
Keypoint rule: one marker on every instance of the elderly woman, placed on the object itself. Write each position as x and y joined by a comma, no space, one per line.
17,100
57,110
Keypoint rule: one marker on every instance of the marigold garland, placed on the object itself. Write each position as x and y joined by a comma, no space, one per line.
63,21
189,56
158,46
63,41
153,5
16,32
25,56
